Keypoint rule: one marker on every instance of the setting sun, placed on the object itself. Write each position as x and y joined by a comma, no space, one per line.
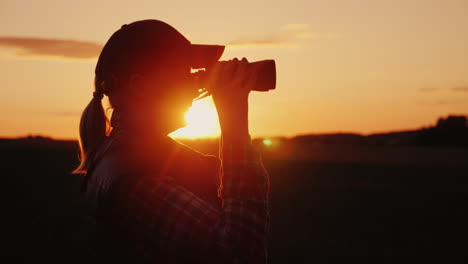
202,121
365,67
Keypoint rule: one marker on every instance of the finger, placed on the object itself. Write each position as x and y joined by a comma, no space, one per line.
242,73
215,75
228,72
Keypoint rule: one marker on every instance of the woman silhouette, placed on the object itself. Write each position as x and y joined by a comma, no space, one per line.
151,198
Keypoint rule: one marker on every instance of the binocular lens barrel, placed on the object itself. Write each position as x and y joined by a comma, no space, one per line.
261,76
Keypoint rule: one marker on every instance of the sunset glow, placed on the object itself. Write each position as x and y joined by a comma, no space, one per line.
358,66
202,121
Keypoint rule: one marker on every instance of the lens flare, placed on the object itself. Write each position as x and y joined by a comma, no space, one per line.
267,142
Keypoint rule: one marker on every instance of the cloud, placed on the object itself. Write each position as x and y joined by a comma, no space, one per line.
443,102
459,89
63,48
288,35
265,41
463,89
429,90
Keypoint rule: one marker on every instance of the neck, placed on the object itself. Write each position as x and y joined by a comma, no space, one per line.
137,126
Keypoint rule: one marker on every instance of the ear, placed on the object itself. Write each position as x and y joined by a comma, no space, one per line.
137,87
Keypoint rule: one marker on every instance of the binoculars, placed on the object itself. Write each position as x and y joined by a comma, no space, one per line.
260,76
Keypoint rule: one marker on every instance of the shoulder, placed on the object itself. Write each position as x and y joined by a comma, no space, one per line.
107,167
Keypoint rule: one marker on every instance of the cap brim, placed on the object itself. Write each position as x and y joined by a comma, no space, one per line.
203,56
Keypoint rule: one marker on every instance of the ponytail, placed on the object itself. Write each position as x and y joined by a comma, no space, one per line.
93,130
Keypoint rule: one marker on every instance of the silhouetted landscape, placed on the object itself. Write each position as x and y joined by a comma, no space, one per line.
379,198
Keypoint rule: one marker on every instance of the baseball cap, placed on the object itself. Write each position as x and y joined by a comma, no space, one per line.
148,41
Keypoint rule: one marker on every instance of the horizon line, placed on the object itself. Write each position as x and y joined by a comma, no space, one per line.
338,132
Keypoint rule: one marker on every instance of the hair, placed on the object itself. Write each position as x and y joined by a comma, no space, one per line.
116,63
94,128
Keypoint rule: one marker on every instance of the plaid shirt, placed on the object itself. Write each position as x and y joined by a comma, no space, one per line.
151,215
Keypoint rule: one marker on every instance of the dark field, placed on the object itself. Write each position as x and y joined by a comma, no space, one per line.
330,203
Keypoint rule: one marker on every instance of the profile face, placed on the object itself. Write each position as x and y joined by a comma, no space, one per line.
169,90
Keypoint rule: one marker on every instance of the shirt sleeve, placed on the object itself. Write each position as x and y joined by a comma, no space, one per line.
167,214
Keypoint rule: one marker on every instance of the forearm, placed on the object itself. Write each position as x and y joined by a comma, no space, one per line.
244,183
241,165
245,193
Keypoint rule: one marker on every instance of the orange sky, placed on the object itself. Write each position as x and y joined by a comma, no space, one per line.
352,65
